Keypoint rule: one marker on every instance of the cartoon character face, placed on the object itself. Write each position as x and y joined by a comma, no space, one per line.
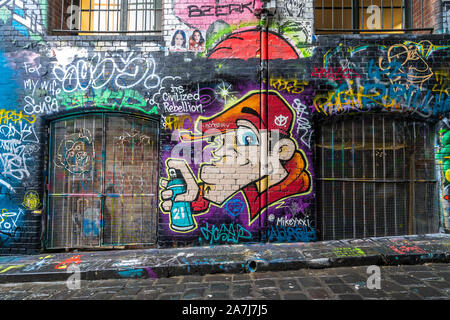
413,67
238,151
76,156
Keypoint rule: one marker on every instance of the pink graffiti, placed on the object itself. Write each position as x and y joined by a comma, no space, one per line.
202,14
407,249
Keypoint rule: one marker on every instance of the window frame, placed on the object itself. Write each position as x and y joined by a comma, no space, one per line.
60,17
406,18
362,178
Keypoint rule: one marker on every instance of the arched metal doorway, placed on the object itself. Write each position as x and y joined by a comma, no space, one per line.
102,182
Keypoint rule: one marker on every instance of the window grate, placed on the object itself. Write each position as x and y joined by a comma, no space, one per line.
102,177
130,17
369,16
376,177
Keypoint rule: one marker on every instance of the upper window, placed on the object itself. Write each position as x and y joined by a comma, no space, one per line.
446,17
369,16
108,16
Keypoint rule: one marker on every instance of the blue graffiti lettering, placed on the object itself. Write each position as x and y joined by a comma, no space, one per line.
291,234
231,233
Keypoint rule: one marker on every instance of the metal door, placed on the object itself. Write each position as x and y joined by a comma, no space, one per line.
375,177
102,183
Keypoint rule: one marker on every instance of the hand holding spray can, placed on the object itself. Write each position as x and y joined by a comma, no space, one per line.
181,213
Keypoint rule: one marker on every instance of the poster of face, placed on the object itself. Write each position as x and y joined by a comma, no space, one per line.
197,41
179,41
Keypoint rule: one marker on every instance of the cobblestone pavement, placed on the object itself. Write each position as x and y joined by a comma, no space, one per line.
429,281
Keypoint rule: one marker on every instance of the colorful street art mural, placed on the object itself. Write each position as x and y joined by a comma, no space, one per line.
233,182
234,103
395,82
19,145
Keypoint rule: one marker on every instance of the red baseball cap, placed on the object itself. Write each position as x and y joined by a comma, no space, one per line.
246,44
280,115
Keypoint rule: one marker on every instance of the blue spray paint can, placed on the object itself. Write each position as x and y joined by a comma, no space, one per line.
181,213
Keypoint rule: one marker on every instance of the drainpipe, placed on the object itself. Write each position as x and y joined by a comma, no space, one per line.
265,13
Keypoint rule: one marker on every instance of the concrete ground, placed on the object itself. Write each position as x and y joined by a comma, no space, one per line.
233,259
427,281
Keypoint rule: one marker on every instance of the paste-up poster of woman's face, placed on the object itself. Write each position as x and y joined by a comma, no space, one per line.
179,41
197,41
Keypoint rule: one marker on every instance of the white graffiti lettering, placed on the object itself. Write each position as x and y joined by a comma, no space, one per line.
49,105
16,147
98,72
294,222
8,220
303,124
30,69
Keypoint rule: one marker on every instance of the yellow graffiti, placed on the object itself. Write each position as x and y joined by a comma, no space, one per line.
348,252
31,200
290,85
11,115
11,267
442,83
4,215
178,122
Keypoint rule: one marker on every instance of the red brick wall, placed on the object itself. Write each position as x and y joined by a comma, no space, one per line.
431,12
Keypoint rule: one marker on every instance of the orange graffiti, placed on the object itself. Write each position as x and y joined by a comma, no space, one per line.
413,67
66,263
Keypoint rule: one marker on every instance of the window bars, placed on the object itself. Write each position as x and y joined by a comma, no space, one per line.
375,177
369,16
446,16
110,16
102,180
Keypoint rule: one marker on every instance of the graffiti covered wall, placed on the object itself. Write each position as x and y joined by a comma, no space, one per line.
237,106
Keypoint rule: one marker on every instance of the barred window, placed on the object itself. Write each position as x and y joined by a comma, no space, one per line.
102,181
86,17
375,177
370,16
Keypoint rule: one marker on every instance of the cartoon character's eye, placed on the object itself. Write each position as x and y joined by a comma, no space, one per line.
246,137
